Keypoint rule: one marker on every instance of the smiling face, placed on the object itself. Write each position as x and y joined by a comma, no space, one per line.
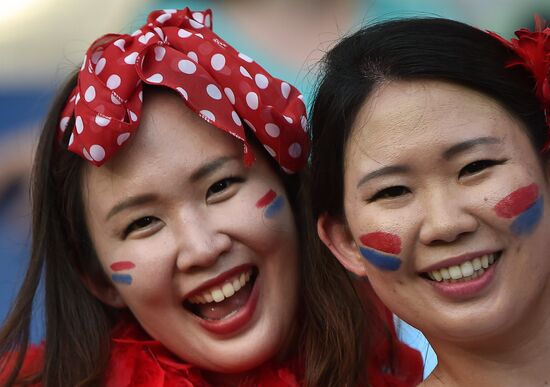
445,207
176,224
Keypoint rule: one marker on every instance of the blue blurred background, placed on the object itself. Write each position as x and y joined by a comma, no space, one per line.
41,41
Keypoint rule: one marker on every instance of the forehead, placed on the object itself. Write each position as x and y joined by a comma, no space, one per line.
404,114
169,136
170,145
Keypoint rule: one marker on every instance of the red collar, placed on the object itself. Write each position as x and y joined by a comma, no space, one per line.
139,361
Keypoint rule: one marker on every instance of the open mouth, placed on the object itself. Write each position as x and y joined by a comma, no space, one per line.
466,271
223,301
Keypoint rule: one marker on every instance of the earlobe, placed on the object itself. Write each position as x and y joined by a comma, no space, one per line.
336,236
105,292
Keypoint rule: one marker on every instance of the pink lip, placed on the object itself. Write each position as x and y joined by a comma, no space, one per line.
456,261
466,289
218,280
237,321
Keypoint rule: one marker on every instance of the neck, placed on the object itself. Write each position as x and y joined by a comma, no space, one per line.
516,357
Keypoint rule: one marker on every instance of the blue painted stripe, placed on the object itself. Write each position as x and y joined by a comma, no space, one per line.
122,278
274,208
529,219
380,260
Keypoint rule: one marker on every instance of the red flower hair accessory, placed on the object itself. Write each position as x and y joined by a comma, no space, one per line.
533,51
179,50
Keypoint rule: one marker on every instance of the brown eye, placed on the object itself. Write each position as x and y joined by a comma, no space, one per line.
140,223
478,166
390,193
222,185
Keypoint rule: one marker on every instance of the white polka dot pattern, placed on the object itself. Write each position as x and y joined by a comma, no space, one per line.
89,95
178,49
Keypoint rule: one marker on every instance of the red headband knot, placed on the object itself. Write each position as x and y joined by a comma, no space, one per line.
179,50
533,51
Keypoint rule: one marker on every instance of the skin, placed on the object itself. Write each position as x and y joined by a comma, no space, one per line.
190,230
441,204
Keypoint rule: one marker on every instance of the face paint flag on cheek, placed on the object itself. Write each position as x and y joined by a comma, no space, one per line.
381,249
122,278
525,205
272,203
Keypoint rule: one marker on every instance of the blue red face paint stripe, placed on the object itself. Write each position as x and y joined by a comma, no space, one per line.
122,265
266,199
381,260
272,203
275,207
122,278
382,241
518,201
526,222
525,205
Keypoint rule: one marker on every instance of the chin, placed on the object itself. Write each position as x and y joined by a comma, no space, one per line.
235,360
474,327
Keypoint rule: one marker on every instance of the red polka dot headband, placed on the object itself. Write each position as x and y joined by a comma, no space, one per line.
533,52
179,50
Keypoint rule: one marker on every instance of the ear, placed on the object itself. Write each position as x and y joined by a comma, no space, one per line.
105,291
336,235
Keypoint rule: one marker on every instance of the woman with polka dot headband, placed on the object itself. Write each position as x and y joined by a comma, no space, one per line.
168,225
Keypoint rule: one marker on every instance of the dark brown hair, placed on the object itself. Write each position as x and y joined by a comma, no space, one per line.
78,325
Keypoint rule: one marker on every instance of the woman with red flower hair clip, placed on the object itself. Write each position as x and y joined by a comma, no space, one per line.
431,178
167,223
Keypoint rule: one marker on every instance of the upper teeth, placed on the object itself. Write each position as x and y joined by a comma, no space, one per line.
466,269
220,293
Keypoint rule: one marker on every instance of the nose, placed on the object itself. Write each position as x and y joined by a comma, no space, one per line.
201,243
447,218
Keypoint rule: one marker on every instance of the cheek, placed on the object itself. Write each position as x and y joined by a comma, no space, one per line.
522,209
121,272
271,203
380,235
141,266
381,249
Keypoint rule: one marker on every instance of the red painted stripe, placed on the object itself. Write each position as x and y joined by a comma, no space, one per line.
382,241
266,199
518,201
122,265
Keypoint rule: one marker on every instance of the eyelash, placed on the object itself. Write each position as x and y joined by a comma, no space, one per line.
215,189
135,225
222,185
390,192
479,166
470,169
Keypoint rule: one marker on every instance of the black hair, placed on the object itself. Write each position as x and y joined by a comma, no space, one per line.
408,50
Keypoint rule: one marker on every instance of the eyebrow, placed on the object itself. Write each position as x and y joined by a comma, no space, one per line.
210,168
389,170
201,173
467,145
447,154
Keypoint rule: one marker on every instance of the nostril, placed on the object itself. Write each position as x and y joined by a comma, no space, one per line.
202,251
448,229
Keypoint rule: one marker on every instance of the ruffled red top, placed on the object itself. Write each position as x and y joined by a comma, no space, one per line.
139,361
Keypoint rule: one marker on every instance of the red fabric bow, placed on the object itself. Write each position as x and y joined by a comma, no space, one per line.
533,51
179,50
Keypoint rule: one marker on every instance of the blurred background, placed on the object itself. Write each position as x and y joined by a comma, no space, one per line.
41,41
